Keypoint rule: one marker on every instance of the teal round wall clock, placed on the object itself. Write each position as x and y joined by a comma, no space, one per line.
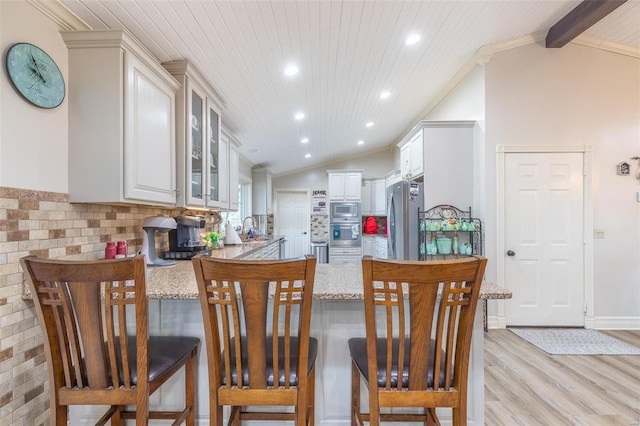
35,75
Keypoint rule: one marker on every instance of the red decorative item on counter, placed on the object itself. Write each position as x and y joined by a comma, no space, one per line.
370,226
121,248
110,250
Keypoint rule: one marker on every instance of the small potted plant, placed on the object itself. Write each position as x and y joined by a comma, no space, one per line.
213,240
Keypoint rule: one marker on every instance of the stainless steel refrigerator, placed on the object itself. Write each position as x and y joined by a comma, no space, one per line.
403,201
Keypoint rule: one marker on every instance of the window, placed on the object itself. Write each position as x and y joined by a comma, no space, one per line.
244,205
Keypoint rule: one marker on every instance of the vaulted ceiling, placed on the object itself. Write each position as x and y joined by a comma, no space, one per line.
347,54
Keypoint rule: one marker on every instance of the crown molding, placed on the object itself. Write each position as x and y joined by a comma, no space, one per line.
58,13
608,45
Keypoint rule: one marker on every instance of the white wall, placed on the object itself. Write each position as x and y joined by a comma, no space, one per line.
464,102
577,96
375,165
33,141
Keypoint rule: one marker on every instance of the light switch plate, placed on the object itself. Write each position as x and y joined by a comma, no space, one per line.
598,234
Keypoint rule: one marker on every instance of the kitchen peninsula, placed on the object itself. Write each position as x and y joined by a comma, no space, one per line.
338,314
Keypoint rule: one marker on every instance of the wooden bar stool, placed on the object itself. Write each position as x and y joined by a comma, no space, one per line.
428,366
257,355
84,340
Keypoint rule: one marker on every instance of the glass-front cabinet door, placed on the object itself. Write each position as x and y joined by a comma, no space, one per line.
197,132
214,157
218,161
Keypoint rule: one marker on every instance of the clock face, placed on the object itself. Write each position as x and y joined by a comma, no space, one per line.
35,75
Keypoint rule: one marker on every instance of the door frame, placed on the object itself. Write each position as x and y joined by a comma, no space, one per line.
587,211
276,207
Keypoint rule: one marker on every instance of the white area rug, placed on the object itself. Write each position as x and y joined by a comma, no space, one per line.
574,341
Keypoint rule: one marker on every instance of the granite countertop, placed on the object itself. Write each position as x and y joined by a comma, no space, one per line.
333,282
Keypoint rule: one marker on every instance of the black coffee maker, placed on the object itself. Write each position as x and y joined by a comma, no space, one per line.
185,241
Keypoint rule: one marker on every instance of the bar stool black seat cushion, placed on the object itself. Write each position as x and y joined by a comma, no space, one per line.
358,350
164,353
293,374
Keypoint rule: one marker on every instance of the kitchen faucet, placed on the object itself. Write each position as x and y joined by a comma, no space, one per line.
253,224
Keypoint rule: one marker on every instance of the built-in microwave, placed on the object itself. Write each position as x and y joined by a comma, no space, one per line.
344,212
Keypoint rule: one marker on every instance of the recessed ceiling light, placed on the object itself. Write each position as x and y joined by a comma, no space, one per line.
252,150
304,140
307,156
291,70
385,94
412,39
369,124
360,142
299,115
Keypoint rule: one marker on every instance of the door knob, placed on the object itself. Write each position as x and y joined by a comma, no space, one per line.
511,253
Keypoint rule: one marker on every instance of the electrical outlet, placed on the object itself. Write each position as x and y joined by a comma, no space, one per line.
598,234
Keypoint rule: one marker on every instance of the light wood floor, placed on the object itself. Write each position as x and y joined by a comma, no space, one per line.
527,386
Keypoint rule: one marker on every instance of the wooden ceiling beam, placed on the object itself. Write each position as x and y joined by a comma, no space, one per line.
579,19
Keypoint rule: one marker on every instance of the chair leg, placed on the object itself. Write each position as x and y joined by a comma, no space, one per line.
355,394
59,414
432,418
215,413
302,409
116,418
234,417
459,417
142,410
190,383
312,396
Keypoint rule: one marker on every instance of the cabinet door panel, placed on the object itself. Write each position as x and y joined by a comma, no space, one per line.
149,149
417,152
353,186
234,178
367,199
336,186
223,174
379,197
216,161
405,164
197,148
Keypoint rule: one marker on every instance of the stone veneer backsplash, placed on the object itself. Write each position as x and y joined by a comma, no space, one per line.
319,228
45,224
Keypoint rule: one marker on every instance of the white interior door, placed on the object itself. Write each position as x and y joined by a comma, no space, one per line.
544,241
291,220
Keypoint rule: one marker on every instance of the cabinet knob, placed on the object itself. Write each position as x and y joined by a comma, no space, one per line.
511,253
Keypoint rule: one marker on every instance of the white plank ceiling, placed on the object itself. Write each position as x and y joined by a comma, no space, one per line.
347,53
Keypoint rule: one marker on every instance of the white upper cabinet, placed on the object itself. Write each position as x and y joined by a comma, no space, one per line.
121,121
345,185
412,156
234,177
261,195
378,197
202,157
366,198
374,195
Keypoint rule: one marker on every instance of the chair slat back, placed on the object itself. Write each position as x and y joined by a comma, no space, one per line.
82,335
234,296
441,297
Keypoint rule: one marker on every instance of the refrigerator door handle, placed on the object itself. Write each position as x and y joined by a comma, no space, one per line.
391,224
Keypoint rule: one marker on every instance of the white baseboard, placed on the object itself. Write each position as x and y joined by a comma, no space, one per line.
495,321
612,323
597,323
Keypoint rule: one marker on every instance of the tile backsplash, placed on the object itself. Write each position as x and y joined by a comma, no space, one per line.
319,228
45,224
